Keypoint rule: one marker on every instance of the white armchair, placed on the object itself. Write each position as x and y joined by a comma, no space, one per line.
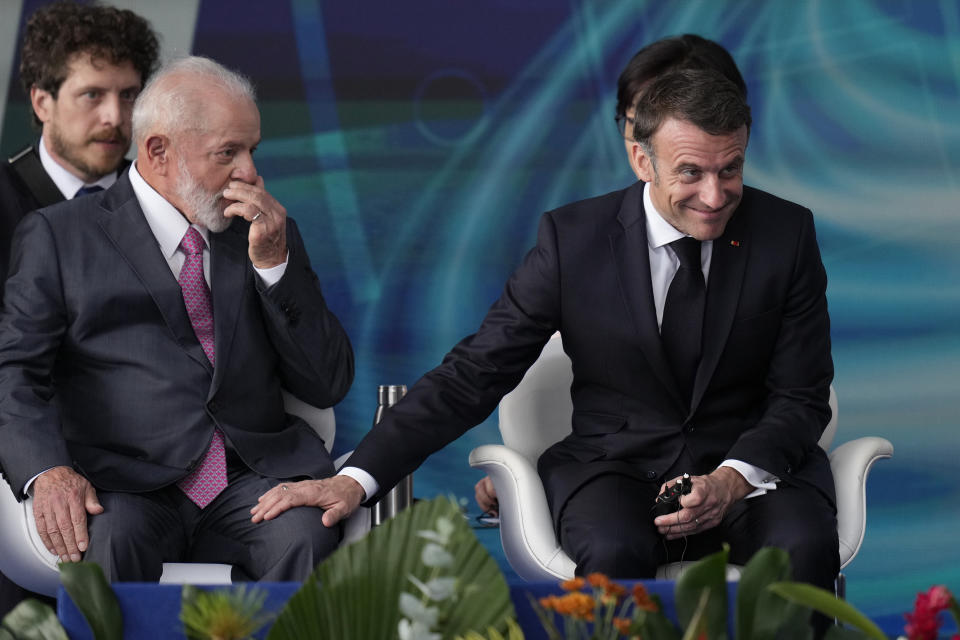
27,562
538,413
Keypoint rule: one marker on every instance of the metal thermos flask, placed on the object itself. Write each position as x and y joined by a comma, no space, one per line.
401,495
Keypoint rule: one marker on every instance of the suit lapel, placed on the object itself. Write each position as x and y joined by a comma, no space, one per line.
122,220
630,252
727,266
228,275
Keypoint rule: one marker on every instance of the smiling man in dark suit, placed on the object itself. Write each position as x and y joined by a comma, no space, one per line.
146,333
694,311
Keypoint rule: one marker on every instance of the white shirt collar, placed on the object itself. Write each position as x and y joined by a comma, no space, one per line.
66,182
166,222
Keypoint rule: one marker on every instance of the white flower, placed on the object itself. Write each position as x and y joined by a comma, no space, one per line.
445,528
432,536
442,533
434,555
415,631
412,608
437,589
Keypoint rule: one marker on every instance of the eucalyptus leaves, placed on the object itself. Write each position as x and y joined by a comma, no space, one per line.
420,611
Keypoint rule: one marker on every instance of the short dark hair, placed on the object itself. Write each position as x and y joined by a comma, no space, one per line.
688,51
703,98
58,31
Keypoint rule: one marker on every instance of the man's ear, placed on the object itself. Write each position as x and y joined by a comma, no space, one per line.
42,102
643,163
156,154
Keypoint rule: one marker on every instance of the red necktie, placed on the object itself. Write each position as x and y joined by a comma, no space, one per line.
205,482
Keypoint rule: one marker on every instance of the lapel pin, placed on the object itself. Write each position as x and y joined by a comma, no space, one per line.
734,243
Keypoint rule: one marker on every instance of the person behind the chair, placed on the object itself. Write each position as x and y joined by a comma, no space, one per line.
146,333
687,51
742,414
81,67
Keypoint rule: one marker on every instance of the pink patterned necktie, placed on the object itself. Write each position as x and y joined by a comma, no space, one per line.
209,478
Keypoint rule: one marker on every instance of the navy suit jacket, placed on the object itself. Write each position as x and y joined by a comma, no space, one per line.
760,394
100,368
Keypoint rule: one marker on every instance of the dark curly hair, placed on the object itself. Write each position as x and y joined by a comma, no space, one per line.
58,31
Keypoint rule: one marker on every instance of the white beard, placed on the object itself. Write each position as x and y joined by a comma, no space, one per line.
204,206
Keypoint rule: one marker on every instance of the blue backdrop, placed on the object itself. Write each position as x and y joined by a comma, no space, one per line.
417,144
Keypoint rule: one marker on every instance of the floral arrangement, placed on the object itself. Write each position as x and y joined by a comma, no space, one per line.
605,606
423,576
923,623
767,606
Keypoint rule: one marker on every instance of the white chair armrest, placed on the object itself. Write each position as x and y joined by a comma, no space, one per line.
358,524
526,528
851,463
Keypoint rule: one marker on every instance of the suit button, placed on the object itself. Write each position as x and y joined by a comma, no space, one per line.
789,469
689,428
651,475
213,406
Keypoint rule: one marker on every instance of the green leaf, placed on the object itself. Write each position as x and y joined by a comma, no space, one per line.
91,592
698,623
6,635
709,574
768,565
362,582
32,620
651,625
780,619
827,604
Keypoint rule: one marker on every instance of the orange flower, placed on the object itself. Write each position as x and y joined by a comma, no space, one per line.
643,599
549,602
572,585
598,580
616,590
622,625
576,604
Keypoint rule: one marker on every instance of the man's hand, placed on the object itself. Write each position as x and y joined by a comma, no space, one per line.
62,498
338,496
487,496
268,221
706,504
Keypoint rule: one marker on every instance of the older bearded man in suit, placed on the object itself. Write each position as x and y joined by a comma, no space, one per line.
146,334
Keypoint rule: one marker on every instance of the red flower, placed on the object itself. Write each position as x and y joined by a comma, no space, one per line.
923,622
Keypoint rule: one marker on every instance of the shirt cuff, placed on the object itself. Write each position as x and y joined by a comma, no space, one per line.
28,488
272,275
364,479
762,481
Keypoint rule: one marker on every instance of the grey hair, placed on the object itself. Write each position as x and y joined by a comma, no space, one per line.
172,107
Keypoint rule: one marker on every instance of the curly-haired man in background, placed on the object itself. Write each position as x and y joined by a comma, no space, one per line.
82,67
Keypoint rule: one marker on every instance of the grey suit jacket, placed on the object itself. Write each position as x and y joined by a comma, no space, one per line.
100,368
